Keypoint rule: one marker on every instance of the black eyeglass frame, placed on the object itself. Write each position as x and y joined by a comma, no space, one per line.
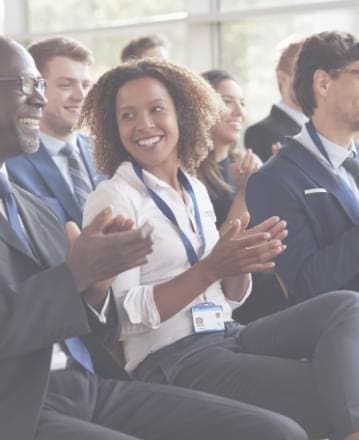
28,89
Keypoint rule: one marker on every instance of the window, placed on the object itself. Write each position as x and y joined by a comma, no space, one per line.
230,5
248,49
1,16
50,16
107,45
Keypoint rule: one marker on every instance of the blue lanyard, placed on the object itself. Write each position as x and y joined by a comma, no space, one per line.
317,141
167,211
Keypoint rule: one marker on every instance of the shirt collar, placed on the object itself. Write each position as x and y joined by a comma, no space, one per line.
54,145
153,181
3,171
299,117
337,154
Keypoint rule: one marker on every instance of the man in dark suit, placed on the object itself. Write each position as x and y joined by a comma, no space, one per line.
55,385
313,181
49,173
286,117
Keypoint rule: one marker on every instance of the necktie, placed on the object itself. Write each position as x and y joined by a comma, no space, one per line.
7,196
75,346
79,353
79,175
352,166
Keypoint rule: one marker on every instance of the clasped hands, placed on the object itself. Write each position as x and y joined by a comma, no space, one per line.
241,251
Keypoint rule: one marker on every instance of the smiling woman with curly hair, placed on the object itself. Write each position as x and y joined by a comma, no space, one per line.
198,107
151,121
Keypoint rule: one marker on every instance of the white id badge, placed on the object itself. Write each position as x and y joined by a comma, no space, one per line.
207,317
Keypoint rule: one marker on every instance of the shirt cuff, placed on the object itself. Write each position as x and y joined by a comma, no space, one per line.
141,307
235,304
102,314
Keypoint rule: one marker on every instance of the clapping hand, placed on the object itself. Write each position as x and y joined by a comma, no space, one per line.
240,250
246,164
106,247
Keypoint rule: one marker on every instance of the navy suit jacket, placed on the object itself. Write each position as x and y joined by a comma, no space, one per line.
38,174
262,135
323,221
39,305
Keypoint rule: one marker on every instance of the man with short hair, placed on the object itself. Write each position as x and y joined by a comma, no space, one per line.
61,173
313,181
155,45
57,378
285,118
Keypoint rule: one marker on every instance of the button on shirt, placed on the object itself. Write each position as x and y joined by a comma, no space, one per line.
142,331
336,153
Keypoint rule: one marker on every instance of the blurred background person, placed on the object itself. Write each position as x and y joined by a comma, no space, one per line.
155,45
286,117
61,172
226,169
225,173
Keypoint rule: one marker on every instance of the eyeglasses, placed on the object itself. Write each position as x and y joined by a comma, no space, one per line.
27,84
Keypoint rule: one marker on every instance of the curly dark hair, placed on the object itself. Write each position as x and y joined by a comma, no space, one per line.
198,108
328,51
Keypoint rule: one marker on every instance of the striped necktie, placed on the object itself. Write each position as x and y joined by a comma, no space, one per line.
80,178
10,205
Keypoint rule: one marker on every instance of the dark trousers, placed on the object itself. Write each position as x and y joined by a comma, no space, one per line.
81,406
263,364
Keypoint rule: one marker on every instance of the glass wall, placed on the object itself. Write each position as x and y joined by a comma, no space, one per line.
51,16
107,45
230,5
1,17
249,47
238,35
106,26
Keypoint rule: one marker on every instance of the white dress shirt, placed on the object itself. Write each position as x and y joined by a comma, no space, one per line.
142,330
299,117
54,146
337,154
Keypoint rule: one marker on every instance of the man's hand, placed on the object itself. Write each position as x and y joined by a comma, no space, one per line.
105,248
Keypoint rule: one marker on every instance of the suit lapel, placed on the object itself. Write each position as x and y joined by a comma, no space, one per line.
321,176
48,170
8,235
39,231
284,119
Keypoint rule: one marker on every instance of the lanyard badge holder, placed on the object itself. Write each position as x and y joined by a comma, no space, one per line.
207,316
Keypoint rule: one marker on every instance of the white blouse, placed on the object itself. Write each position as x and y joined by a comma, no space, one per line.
142,331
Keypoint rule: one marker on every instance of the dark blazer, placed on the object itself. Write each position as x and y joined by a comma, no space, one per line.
39,306
323,221
261,136
38,174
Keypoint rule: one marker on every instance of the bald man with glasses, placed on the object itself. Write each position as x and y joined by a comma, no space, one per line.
61,173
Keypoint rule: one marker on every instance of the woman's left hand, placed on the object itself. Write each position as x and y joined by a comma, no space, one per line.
246,164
